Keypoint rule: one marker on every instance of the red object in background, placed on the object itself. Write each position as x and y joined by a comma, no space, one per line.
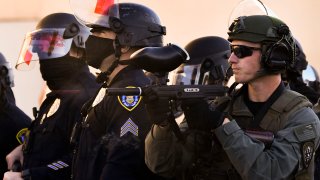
27,57
102,6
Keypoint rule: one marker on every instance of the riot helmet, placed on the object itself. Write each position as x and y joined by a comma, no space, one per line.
277,43
208,62
56,35
58,44
134,24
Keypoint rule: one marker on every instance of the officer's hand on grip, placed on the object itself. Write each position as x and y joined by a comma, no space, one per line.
14,156
157,108
200,116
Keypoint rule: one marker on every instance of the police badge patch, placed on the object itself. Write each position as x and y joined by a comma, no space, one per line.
129,102
22,135
307,153
306,134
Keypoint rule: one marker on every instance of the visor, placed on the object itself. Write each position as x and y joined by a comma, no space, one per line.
310,74
94,13
42,44
250,7
186,75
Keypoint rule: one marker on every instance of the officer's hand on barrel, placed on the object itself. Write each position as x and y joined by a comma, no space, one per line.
158,108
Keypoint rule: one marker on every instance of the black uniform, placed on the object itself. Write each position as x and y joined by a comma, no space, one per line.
112,139
12,121
48,154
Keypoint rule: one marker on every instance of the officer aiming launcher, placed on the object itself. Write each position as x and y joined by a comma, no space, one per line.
161,60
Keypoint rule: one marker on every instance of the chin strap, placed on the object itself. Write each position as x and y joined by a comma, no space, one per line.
103,77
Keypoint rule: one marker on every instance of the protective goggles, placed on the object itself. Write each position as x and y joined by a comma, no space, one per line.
242,51
43,44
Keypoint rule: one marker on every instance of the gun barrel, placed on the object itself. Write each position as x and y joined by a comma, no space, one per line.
124,91
175,91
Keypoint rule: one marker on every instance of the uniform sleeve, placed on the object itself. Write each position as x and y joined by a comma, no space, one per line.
59,169
164,154
283,159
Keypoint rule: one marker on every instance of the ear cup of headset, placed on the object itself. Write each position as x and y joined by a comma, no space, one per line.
277,57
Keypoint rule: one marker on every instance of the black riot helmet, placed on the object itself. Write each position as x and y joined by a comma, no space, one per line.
58,44
208,62
56,35
277,43
135,25
6,71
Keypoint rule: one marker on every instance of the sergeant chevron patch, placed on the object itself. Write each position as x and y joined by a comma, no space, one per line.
129,102
57,165
129,126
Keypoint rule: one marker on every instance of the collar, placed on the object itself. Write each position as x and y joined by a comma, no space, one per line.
123,74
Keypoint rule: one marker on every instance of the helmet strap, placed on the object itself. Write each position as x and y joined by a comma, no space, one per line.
103,77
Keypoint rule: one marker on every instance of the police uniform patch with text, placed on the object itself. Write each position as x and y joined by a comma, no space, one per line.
129,127
129,102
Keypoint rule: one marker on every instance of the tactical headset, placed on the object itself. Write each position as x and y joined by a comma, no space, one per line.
279,56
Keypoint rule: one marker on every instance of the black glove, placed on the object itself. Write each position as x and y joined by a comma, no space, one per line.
158,108
200,116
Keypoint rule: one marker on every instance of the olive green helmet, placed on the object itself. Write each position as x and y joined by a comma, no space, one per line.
278,46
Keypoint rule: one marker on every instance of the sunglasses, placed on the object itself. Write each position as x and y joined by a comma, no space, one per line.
242,51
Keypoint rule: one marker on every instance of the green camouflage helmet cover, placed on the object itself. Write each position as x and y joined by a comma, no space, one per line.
256,29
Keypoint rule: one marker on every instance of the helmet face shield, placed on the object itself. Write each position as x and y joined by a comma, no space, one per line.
186,75
310,74
250,7
95,12
43,44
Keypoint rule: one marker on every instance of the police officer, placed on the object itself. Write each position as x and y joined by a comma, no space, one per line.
208,65
111,143
14,122
266,131
58,45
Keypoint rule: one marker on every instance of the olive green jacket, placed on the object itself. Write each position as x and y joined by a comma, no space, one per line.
296,131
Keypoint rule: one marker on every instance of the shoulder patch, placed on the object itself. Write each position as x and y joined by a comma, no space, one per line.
129,102
99,97
305,133
307,153
22,135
